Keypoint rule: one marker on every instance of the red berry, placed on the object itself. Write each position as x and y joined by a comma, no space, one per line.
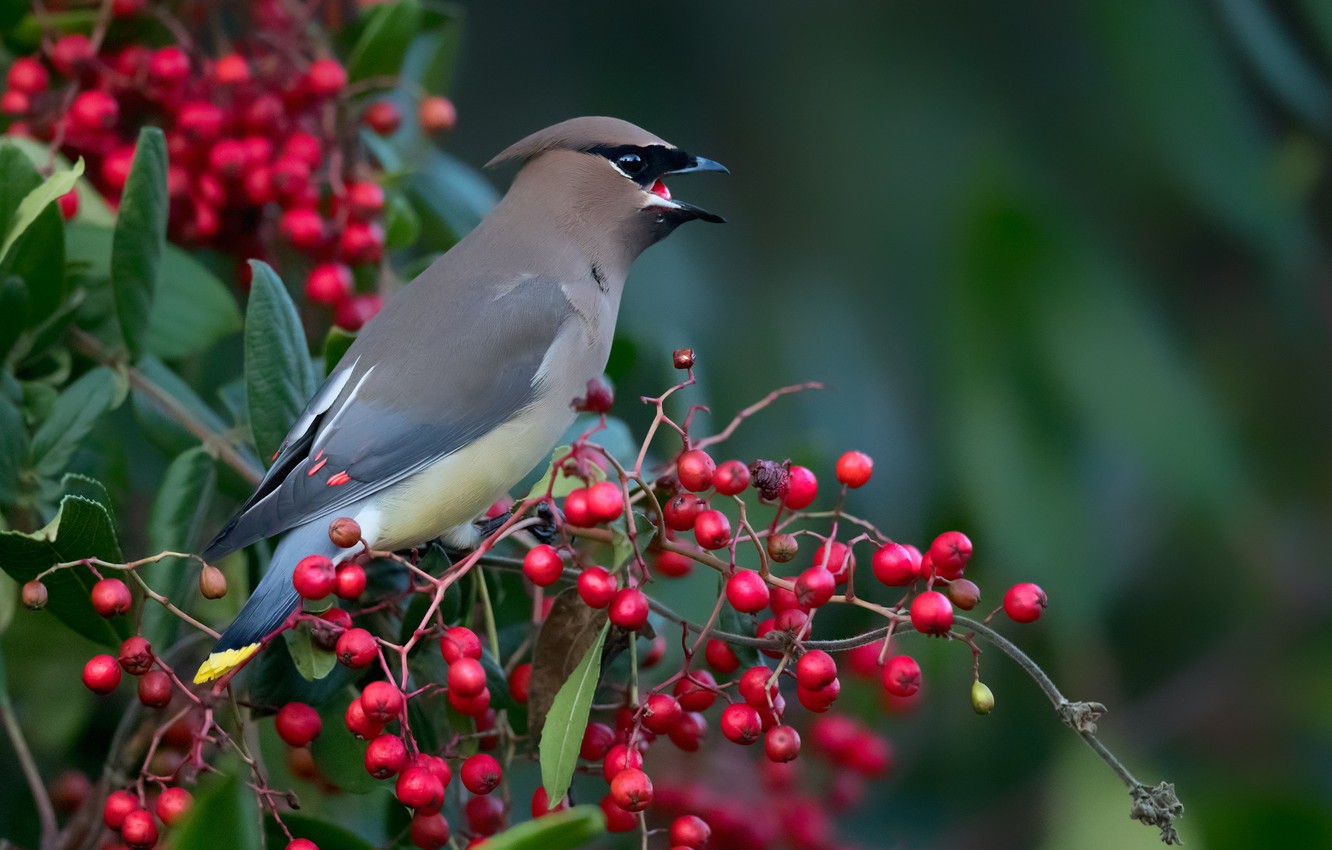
690,831
304,147
381,701
95,110
485,815
820,699
695,469
688,730
69,204
621,758
893,565
854,468
303,228
385,756
429,831
116,168
931,613
459,642
467,678
617,819
629,609
747,591
200,122
135,656
27,75
71,54
543,565
356,648
139,830
681,512
605,501
576,510
541,804
901,676
814,587
34,595
631,790
173,804
782,743
481,773
298,724
101,674
660,713
265,114
383,117
520,681
231,70
1025,602
754,688
111,597
436,114
672,564
338,618
597,740
301,844
118,805
801,489
720,656
314,577
360,725
418,788
815,669
361,242
169,66
126,8
596,587
837,559
349,581
731,478
290,178
696,691
326,77
950,553
365,200
352,313
712,530
741,724
15,103
155,689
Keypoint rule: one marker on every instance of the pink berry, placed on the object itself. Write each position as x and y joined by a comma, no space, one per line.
814,587
326,77
481,773
931,613
1025,602
631,790
801,489
781,743
139,830
118,805
596,587
349,582
173,804
467,678
543,566
420,789
950,553
386,756
155,689
901,676
459,642
815,669
893,565
696,691
351,314
854,468
111,597
695,469
298,724
429,831
712,530
741,724
660,713
747,592
314,577
629,609
382,701
135,656
605,501
101,674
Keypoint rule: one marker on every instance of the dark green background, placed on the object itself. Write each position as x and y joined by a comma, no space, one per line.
1063,268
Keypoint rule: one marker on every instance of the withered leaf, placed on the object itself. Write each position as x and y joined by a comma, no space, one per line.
570,628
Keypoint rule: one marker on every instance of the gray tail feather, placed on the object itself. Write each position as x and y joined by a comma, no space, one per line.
275,597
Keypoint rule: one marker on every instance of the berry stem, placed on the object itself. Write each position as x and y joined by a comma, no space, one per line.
725,433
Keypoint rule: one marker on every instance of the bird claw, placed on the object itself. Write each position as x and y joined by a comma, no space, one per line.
549,527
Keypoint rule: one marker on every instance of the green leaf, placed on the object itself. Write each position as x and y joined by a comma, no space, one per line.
312,661
278,377
730,620
566,830
37,254
403,225
81,529
18,177
9,594
177,514
225,815
13,313
274,680
38,200
72,418
451,196
341,757
326,836
562,733
335,345
384,41
140,234
13,449
191,309
93,208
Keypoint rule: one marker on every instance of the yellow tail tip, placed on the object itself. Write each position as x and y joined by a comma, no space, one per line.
220,663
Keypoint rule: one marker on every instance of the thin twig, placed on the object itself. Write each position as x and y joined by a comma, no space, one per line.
45,811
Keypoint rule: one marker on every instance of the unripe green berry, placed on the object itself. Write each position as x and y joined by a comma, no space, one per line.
982,698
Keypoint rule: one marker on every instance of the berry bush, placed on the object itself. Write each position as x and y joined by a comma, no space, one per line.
163,164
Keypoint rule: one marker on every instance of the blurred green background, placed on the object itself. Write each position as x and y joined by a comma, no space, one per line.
1063,268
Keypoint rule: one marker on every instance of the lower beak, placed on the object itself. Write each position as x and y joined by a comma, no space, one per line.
700,164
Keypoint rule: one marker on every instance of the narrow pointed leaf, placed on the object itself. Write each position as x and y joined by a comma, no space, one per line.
37,200
140,237
566,830
384,41
278,377
72,417
225,816
174,522
562,733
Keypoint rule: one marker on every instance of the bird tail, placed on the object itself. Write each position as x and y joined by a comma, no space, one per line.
270,604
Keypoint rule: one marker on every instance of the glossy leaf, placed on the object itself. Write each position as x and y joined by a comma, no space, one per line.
731,620
312,661
13,449
18,177
336,344
81,529
278,377
341,757
275,681
562,732
225,816
72,418
326,836
384,41
569,630
37,253
38,200
177,514
566,830
140,234
451,196
402,224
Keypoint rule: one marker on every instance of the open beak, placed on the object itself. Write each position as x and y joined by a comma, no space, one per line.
686,210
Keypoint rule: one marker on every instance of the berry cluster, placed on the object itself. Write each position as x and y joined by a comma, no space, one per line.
262,141
738,675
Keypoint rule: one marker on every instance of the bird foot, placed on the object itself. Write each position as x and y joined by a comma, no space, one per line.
544,532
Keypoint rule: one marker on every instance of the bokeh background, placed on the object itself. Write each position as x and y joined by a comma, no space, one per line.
1063,269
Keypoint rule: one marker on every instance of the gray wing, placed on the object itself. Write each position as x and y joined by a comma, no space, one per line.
433,372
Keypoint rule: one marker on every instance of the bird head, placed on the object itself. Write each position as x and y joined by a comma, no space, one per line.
609,174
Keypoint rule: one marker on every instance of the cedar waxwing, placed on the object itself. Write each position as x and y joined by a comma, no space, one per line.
465,381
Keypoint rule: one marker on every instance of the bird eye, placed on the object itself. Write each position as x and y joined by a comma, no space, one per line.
630,163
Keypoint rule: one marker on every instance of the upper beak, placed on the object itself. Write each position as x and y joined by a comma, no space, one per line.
699,163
